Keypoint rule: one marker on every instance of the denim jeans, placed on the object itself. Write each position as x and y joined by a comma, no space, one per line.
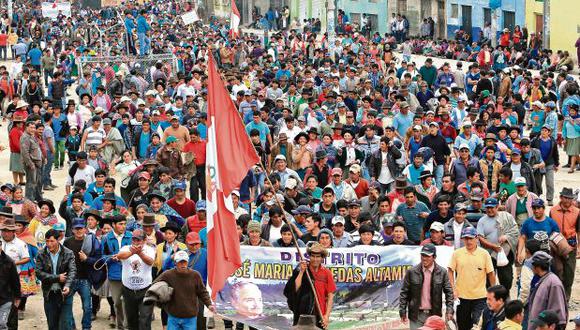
55,308
4,313
177,323
144,43
439,171
83,288
47,168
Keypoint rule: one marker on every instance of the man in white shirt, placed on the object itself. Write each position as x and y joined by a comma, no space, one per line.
80,171
137,260
14,247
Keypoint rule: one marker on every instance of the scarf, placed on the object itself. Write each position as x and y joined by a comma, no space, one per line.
27,237
48,221
16,202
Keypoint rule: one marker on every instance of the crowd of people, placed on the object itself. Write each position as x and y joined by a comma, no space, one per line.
358,146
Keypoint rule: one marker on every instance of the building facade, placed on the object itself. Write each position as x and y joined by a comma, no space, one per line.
417,10
472,15
564,23
375,9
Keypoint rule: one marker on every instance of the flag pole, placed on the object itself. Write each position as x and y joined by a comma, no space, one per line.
294,238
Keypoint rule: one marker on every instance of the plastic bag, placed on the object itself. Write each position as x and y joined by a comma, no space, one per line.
502,259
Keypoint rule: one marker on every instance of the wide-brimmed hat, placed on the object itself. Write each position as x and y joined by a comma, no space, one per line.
9,224
109,197
567,193
401,183
85,94
48,203
20,219
157,194
317,248
297,137
425,175
490,136
21,104
149,220
6,211
171,225
93,213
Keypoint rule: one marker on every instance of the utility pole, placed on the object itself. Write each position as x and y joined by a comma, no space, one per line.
330,26
546,30
494,27
10,13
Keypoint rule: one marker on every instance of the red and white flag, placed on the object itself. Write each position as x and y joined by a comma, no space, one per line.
235,19
229,156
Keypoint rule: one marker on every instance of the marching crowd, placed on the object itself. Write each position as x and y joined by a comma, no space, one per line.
357,147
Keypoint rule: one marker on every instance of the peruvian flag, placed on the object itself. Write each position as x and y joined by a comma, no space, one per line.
229,156
235,18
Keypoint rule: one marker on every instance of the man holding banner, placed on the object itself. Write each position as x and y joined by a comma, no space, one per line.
299,291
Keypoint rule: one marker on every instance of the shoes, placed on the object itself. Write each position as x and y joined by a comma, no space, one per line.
48,188
52,186
112,322
210,323
20,315
93,317
566,166
550,203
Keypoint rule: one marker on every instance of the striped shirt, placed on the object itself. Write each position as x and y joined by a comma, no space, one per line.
410,215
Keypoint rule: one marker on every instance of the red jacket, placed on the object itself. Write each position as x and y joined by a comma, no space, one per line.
14,139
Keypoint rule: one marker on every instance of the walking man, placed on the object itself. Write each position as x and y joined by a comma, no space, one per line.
423,288
469,269
32,160
56,269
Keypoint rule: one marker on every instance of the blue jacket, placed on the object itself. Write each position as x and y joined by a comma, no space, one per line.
142,25
129,24
111,247
98,202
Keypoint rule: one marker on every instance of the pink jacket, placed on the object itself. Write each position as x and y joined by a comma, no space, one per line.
511,203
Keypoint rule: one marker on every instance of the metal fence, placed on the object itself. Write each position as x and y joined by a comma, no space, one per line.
141,64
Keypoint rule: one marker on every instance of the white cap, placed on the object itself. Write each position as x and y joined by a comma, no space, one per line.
466,123
290,183
150,92
538,104
417,127
280,157
438,226
338,219
462,98
180,256
125,98
236,192
355,168
464,146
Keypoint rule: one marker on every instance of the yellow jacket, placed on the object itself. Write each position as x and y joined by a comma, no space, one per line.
159,261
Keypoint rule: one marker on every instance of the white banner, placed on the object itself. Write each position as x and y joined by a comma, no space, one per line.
190,18
52,9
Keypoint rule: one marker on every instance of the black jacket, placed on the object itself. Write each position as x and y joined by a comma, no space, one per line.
65,264
410,299
376,162
9,279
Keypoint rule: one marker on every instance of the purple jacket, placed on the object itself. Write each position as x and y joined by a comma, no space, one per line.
548,294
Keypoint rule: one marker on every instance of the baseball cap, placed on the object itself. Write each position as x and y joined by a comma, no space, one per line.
302,209
541,258
355,168
59,226
433,123
201,205
82,155
417,127
107,121
291,183
546,318
179,185
192,238
437,226
576,320
280,157
78,223
171,139
516,151
181,255
519,182
145,175
336,171
468,232
429,249
491,202
338,219
138,234
464,146
538,202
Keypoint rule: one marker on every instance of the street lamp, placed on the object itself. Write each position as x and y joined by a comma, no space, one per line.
330,19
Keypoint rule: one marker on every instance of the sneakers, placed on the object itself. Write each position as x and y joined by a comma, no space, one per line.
48,188
20,315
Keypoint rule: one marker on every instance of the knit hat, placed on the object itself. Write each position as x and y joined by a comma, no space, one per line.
254,226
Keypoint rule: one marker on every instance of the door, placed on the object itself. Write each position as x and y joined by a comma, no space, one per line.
402,7
466,19
486,16
509,20
440,20
425,9
539,23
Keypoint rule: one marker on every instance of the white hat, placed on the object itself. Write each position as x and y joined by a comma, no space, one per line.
290,183
464,146
338,219
180,256
355,168
280,157
125,99
417,127
438,226
150,92
99,110
140,102
462,98
21,104
466,123
236,192
538,104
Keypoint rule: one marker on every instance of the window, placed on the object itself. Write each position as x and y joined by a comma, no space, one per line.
374,19
402,7
454,10
355,18
486,16
509,20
